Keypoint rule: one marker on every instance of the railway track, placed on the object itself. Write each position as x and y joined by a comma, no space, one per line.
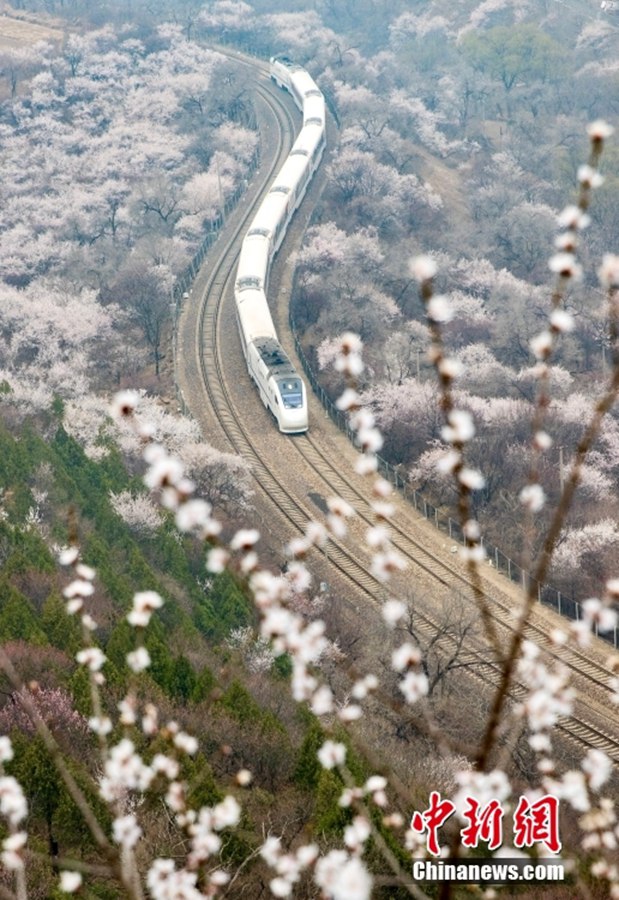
419,556
209,366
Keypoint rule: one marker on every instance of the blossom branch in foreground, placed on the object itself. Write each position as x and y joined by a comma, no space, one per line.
564,263
609,276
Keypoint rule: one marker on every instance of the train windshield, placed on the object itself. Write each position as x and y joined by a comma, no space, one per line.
292,393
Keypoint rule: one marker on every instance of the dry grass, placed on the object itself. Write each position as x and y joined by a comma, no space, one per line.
19,29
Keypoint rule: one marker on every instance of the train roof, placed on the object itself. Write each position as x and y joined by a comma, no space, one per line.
255,316
285,61
253,262
291,173
306,142
275,358
272,211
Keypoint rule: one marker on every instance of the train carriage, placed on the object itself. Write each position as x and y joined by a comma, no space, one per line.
254,318
254,259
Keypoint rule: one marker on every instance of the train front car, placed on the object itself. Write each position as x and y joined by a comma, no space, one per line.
281,388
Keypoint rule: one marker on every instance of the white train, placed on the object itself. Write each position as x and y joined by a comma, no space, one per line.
281,388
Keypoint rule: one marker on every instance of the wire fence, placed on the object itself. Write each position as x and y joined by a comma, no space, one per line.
546,594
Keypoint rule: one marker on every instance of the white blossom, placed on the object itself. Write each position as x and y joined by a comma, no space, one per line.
596,612
92,657
460,429
472,479
70,882
165,472
350,713
375,783
13,804
226,814
565,264
573,217
414,686
101,725
541,345
597,767
165,765
331,754
342,877
447,462
271,850
589,177
404,656
85,571
542,440
6,749
12,847
124,404
244,539
138,660
561,321
193,514
186,742
423,268
217,559
385,564
78,588
599,130
68,556
349,400
144,602
608,273
356,834
322,701
127,710
280,887
392,611
439,309
612,587
571,787
532,497
126,831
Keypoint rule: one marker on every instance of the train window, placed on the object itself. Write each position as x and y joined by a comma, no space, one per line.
248,282
292,393
279,189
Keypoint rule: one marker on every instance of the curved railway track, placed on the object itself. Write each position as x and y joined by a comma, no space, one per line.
586,726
